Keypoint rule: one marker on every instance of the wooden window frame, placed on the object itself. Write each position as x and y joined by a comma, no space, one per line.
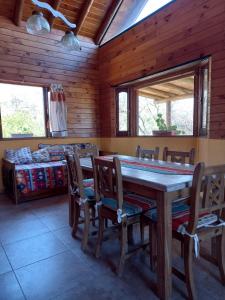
46,113
195,69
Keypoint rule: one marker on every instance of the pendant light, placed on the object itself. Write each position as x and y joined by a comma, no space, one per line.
37,24
70,42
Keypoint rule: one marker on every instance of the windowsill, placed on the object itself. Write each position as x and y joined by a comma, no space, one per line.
35,138
162,136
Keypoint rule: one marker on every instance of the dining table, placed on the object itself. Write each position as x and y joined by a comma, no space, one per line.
164,182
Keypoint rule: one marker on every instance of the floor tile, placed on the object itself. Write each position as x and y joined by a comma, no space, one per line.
4,263
55,220
9,287
19,229
34,249
48,278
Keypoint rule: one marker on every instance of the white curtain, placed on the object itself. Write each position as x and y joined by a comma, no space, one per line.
57,111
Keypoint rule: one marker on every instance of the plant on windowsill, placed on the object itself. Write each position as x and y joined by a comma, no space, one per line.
163,129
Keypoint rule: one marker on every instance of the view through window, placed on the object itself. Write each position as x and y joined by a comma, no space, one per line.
167,107
22,111
131,12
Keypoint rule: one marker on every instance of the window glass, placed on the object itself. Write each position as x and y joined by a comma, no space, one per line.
167,107
131,12
22,111
123,111
204,99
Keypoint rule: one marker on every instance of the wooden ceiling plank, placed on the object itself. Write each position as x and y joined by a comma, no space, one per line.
86,9
112,11
18,12
56,5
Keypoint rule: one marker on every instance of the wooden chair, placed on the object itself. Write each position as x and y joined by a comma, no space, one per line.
114,206
82,197
179,156
203,219
147,153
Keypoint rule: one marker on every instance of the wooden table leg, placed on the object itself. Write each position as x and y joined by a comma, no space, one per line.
164,244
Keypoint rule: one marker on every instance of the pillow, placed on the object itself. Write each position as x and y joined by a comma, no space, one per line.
42,146
19,156
56,152
41,155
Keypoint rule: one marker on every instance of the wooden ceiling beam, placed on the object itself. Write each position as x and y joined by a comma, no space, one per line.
55,5
159,93
84,13
111,13
18,12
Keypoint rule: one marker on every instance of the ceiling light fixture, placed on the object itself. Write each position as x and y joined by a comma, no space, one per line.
37,24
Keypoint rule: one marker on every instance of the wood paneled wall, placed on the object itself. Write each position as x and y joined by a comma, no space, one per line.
39,60
183,31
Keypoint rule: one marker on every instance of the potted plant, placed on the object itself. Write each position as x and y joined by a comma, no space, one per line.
163,129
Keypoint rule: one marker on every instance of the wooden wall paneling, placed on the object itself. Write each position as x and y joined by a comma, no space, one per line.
184,31
41,61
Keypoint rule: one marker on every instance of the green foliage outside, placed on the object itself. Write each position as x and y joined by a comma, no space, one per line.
20,117
161,123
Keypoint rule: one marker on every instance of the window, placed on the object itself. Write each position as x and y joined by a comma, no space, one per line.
122,112
167,107
22,111
172,102
129,13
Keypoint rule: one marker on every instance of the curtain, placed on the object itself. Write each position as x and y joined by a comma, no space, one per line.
57,111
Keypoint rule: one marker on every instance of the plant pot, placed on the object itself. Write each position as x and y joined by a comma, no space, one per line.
164,132
21,135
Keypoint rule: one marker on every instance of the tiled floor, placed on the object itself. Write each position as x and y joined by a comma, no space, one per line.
40,260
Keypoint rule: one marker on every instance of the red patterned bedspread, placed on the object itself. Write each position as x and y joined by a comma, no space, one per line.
41,176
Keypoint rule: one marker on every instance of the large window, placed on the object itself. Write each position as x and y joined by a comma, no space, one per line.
129,13
167,108
22,111
173,102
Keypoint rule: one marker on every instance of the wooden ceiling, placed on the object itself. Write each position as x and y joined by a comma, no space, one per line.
182,88
92,17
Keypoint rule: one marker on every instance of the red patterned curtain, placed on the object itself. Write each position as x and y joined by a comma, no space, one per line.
58,111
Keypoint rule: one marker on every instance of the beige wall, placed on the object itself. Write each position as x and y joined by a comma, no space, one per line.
210,151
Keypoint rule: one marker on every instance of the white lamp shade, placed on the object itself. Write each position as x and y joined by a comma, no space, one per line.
37,24
70,41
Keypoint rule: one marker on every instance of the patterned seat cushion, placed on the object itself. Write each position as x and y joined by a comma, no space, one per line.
89,188
180,217
131,208
143,202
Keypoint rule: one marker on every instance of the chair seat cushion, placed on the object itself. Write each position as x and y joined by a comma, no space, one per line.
131,204
89,188
180,217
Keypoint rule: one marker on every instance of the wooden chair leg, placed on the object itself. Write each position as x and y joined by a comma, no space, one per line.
221,255
124,247
76,215
188,266
87,217
93,215
152,246
71,210
100,234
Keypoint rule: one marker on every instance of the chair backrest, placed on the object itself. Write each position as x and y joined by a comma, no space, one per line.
108,179
75,174
207,194
179,156
147,153
88,152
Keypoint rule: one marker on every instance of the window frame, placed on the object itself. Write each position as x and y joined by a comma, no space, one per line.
188,69
46,113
